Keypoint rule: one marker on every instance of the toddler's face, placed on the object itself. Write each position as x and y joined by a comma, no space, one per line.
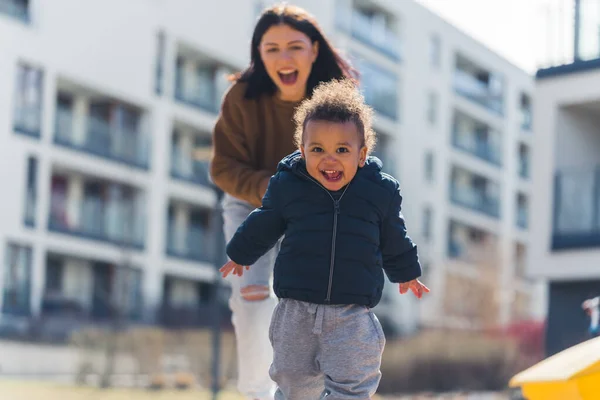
333,152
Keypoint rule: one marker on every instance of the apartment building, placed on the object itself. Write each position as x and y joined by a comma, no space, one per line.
565,245
106,112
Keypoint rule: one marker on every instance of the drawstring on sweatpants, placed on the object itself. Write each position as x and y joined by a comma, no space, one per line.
319,310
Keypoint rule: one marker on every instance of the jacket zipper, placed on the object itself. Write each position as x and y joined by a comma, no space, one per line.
336,211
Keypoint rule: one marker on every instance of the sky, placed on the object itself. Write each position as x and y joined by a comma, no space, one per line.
516,29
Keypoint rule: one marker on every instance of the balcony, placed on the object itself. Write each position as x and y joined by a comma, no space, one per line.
17,280
188,233
373,28
384,150
80,291
94,210
476,200
28,120
576,209
186,147
17,9
481,87
188,303
192,243
200,82
475,192
101,137
185,168
477,139
471,245
380,88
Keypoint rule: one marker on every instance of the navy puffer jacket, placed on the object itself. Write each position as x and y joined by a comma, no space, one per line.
336,244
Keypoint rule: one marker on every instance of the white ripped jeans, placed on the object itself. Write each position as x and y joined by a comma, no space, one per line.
251,318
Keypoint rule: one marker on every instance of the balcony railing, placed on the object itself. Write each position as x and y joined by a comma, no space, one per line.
199,89
470,87
27,120
194,243
186,168
475,200
576,209
383,39
16,9
380,89
116,222
477,146
101,139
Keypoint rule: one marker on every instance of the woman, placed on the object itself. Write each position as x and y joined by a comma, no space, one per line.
289,57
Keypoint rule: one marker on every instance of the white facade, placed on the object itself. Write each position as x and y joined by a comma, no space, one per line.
565,248
111,82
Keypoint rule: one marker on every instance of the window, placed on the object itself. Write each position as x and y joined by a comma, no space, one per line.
432,107
18,9
522,211
31,191
429,166
27,117
525,109
160,55
17,283
435,50
427,223
523,161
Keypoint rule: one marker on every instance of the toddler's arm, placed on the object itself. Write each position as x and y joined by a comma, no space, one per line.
261,229
400,259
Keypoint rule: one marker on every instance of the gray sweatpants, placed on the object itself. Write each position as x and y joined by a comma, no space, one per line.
325,351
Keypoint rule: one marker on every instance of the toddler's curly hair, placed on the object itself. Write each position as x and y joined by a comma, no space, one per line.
336,101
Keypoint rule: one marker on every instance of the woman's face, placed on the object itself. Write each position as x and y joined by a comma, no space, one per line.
288,56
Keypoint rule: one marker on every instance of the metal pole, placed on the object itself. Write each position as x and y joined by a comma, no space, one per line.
219,255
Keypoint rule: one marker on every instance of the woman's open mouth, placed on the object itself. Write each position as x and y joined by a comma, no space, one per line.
288,76
331,175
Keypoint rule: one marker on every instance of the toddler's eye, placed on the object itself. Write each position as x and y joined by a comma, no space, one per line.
317,150
342,150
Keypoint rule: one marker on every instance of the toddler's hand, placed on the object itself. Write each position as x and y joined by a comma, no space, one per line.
234,267
416,286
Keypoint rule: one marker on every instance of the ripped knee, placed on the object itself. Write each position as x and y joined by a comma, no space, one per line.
255,292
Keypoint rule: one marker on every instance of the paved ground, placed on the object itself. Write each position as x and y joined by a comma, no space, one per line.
18,390
23,390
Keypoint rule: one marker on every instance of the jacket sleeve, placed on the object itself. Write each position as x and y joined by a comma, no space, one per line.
261,230
400,258
231,164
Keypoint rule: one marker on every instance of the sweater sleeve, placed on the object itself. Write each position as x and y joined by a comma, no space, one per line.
231,164
260,231
400,258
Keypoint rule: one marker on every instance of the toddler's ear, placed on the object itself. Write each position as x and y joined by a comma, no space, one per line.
302,151
362,158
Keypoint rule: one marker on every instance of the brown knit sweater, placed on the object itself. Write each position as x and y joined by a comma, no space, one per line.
249,139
